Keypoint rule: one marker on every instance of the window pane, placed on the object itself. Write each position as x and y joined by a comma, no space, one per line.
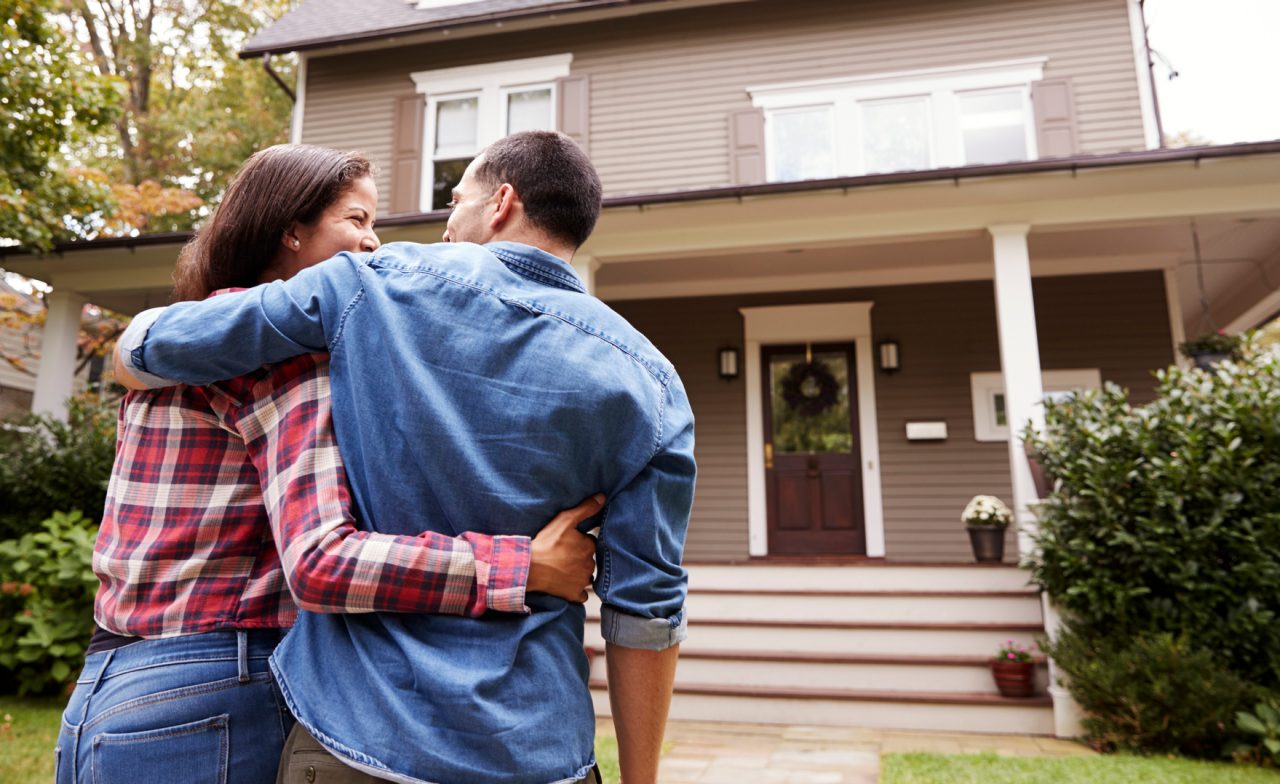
445,175
994,126
456,128
529,111
895,135
802,144
810,403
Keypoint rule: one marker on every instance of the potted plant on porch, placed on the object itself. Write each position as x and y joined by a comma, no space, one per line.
1013,670
986,517
1209,349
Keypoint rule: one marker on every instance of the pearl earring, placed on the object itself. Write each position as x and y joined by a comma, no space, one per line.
296,243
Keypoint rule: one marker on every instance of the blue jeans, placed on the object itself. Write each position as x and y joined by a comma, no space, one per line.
197,708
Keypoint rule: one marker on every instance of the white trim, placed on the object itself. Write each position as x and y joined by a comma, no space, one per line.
500,74
984,387
1177,327
300,102
1254,316
1146,98
1000,73
824,323
489,83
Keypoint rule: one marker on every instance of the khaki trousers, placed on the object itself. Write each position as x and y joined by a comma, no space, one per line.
305,761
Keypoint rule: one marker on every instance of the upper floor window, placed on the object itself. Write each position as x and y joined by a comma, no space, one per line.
900,122
470,107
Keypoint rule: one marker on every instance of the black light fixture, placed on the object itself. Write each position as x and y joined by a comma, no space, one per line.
728,357
889,356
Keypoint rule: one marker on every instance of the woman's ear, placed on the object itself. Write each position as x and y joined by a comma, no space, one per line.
290,239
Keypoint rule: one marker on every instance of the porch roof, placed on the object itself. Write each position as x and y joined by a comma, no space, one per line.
1138,200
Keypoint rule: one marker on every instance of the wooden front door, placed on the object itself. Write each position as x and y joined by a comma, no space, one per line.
812,457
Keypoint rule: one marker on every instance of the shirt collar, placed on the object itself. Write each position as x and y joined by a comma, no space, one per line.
536,264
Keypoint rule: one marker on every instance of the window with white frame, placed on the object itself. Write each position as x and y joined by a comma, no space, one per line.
471,107
990,415
903,121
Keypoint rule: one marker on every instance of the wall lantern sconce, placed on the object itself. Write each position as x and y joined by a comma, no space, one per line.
889,356
728,363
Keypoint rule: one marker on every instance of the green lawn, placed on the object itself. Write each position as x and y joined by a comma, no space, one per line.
1113,769
29,730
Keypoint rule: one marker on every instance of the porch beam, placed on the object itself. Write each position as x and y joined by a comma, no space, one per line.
586,266
56,376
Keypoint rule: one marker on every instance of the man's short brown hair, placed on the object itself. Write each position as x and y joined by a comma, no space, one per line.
553,177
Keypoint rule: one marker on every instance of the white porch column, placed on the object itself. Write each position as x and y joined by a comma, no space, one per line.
58,354
586,267
1019,362
1023,393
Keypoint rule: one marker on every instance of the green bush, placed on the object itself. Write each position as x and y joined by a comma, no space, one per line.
47,465
1151,693
1261,728
1165,525
47,586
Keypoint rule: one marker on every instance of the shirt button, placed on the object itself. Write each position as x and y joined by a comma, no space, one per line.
311,773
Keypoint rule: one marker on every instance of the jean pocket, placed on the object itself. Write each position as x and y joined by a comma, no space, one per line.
194,753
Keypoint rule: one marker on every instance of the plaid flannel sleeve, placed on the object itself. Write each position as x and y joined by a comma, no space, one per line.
329,564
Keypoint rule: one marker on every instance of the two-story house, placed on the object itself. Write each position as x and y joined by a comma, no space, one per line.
870,235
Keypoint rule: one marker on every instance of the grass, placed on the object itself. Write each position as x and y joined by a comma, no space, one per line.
1113,769
29,730
28,733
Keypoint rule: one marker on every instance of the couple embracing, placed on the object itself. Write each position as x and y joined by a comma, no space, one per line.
325,554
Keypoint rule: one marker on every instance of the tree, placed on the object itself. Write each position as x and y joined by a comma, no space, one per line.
48,98
192,110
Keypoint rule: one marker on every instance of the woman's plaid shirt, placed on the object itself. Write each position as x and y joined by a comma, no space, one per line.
226,499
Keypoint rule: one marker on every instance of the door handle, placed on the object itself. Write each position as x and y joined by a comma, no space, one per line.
768,456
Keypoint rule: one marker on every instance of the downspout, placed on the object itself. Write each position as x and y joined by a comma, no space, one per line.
1151,71
266,66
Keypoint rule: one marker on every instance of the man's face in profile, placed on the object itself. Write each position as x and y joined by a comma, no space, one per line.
471,198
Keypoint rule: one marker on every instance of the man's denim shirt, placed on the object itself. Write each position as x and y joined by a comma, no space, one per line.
474,389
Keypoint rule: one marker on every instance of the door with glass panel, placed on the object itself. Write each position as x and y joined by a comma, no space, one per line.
812,459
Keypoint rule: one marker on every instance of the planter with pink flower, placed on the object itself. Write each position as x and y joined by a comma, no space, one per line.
1014,670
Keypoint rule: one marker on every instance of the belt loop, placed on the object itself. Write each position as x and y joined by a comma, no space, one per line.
242,654
97,680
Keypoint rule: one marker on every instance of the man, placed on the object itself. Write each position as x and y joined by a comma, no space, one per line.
477,379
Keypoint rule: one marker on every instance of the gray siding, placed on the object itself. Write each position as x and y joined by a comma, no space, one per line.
1117,323
663,85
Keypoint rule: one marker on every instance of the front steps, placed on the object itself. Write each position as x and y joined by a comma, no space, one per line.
886,646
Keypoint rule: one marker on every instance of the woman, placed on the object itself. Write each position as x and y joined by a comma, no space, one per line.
228,508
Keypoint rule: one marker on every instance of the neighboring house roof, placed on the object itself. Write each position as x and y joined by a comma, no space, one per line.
319,23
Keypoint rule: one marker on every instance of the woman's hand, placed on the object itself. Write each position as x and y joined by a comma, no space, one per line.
562,558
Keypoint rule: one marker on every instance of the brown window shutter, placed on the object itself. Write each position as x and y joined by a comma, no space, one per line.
406,154
573,115
746,146
1055,118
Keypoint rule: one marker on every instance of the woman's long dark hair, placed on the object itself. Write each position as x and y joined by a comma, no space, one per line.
277,187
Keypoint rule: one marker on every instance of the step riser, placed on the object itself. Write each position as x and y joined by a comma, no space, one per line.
865,609
858,578
1010,719
972,679
887,642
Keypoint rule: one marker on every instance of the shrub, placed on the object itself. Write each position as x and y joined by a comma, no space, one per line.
1166,518
1261,728
47,586
1150,693
47,465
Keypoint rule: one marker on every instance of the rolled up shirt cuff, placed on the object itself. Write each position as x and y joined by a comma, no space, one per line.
632,631
130,349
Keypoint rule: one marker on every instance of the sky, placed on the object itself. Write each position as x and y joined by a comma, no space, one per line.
1228,61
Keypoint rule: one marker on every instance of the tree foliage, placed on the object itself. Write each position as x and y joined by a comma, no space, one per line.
49,98
192,110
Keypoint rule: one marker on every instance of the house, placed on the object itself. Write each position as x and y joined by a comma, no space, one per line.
871,236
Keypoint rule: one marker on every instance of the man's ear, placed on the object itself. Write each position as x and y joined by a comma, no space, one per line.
505,204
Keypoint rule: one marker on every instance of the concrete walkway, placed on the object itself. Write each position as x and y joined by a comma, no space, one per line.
714,753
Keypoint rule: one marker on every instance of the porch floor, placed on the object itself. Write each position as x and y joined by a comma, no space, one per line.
725,753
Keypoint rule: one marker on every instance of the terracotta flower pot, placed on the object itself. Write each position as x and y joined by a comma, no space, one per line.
987,542
1013,679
